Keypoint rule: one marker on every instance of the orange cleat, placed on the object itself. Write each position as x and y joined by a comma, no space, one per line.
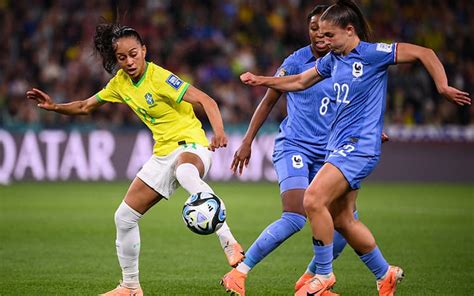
234,282
388,284
329,293
124,291
318,285
302,280
234,253
306,277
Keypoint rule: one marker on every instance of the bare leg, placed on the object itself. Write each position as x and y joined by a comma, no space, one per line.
328,185
141,197
292,201
358,236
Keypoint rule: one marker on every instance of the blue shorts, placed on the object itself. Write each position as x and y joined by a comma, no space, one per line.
295,169
354,167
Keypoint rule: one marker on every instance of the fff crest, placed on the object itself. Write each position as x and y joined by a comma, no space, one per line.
357,69
149,99
297,161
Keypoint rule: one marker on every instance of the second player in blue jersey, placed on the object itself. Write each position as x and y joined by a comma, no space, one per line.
358,72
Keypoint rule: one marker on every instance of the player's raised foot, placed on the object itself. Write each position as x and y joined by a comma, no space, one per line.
387,285
317,285
234,282
234,253
124,291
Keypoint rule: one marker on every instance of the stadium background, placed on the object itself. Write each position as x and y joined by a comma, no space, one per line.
48,44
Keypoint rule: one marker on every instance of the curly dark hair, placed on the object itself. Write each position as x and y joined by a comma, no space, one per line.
105,38
317,10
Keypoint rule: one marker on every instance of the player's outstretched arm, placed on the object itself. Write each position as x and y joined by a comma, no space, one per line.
44,101
243,153
196,96
409,53
287,83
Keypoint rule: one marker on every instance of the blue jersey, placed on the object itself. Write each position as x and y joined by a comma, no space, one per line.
310,112
360,84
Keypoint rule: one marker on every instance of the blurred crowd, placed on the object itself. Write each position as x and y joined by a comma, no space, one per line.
209,43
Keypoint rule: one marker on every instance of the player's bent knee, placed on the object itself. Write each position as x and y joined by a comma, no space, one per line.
292,201
185,172
313,204
188,177
297,221
125,217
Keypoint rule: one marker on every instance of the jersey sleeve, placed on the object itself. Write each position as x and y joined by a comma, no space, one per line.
382,54
324,65
109,93
288,67
169,85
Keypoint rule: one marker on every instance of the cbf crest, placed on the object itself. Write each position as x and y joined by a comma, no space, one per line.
357,69
149,99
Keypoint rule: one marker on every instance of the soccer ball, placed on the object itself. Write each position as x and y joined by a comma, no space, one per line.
204,213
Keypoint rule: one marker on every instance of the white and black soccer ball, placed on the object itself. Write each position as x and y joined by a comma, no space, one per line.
204,213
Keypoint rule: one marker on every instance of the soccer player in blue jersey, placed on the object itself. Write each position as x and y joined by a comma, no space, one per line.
358,71
300,150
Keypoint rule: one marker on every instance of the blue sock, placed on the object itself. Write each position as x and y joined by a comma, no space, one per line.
323,258
339,243
273,236
375,261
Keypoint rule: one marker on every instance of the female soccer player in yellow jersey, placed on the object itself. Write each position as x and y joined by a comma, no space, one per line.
163,102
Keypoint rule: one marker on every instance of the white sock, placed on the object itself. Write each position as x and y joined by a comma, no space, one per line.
225,236
128,243
243,268
188,177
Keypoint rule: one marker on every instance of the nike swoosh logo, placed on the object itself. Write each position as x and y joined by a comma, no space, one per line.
312,294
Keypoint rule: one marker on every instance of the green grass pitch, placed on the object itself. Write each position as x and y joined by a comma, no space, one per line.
58,239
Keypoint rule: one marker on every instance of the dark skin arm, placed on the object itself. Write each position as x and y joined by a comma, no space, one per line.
243,153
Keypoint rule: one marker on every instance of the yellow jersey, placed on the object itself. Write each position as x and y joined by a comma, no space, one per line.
157,100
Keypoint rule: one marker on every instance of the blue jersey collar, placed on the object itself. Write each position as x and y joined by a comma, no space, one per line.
309,54
357,50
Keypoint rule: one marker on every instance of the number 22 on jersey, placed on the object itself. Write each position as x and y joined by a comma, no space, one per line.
342,92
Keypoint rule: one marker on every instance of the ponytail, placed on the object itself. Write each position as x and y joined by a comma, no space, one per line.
346,12
105,38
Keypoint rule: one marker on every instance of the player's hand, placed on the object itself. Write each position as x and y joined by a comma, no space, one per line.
249,79
42,99
218,140
456,96
241,158
385,137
